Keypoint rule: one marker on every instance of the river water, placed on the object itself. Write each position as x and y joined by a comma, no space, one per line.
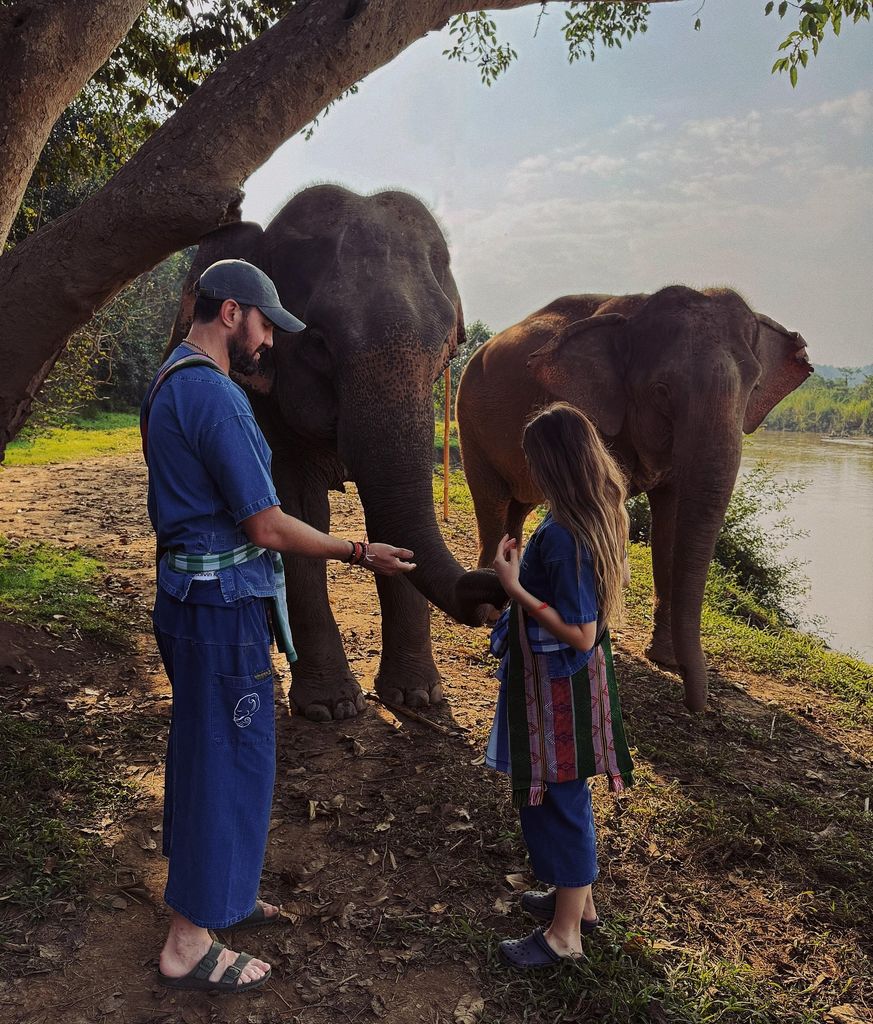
836,511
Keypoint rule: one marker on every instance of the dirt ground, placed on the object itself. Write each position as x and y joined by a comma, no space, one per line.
391,844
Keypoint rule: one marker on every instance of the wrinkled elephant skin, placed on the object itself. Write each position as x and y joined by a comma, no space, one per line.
671,380
351,398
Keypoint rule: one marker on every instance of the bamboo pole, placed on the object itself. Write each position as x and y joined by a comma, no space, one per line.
447,424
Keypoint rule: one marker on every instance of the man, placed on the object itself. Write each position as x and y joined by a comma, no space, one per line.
214,509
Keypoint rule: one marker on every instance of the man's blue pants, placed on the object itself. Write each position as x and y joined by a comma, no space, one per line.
221,754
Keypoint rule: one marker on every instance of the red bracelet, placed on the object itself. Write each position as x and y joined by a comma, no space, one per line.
543,605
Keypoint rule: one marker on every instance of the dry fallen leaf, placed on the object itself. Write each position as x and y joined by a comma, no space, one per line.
439,908
517,881
469,1009
849,1013
501,906
146,842
372,858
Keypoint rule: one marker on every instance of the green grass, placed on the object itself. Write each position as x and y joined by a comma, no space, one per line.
107,421
50,793
628,977
70,444
59,588
460,499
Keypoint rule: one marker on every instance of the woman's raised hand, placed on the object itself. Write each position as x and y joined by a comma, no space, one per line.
506,562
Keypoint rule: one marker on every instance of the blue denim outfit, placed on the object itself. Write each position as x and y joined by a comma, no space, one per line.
560,837
559,833
209,469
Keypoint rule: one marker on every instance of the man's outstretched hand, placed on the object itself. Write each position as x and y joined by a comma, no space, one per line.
386,560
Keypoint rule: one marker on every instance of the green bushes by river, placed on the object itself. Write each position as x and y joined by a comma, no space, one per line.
826,407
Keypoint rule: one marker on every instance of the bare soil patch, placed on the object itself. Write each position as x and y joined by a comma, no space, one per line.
390,842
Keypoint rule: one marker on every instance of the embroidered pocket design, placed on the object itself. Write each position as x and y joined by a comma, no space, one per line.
246,706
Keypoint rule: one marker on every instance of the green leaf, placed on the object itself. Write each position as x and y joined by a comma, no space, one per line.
697,25
783,7
768,9
793,75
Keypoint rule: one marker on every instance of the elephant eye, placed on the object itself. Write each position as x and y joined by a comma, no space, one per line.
313,350
661,396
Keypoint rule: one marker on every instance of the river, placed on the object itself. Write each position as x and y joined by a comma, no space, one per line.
836,511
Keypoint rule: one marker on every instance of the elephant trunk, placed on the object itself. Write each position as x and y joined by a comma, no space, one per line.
394,475
700,511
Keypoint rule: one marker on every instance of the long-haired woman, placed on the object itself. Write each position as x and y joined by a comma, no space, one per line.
558,720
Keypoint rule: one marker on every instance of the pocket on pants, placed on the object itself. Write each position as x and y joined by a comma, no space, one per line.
242,709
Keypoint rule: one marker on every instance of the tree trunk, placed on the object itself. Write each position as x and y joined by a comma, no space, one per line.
187,179
48,51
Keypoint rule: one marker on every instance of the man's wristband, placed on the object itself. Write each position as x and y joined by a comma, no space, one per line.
358,553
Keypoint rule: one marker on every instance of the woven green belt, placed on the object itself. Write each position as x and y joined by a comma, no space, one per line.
183,561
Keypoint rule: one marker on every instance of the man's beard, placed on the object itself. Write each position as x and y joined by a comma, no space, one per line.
242,362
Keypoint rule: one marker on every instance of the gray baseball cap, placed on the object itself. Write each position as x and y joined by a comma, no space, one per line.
249,286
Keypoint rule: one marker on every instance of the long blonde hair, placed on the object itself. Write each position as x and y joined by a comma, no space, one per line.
586,492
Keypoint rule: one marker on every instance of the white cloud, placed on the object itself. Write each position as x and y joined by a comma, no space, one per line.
640,122
853,112
586,163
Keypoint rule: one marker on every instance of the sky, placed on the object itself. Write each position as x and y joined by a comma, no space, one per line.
678,158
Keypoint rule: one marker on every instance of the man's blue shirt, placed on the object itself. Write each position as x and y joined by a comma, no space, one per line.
209,469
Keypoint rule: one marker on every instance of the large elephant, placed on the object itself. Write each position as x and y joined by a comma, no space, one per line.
351,398
671,380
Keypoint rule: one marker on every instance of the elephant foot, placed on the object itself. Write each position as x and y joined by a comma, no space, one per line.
412,690
661,653
322,703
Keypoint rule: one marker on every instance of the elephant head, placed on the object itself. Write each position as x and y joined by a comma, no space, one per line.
370,277
672,380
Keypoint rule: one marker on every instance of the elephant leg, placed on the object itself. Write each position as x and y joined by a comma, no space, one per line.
407,673
322,685
662,501
516,513
491,500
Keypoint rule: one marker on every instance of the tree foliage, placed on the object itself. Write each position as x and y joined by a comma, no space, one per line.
814,19
589,25
173,46
827,407
477,334
108,363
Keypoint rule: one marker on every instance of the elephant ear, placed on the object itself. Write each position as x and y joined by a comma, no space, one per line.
585,365
784,366
237,241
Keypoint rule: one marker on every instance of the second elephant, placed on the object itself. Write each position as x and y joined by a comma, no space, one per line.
671,380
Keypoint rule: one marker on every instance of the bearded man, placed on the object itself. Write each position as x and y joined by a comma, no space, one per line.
220,588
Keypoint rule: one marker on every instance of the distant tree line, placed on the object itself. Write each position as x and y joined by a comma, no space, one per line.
827,406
